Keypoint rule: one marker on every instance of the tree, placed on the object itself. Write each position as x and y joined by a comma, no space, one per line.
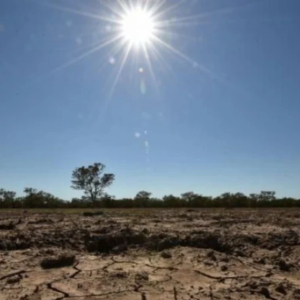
241,200
90,180
267,196
32,198
40,199
142,198
7,198
189,198
30,191
107,200
253,199
172,201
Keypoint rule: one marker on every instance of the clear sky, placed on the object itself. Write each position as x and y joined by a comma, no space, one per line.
219,112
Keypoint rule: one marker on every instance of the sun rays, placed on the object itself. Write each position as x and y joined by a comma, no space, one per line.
133,28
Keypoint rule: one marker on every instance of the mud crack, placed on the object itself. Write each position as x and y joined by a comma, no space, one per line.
13,274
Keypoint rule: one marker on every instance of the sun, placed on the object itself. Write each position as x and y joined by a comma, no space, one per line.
143,32
138,26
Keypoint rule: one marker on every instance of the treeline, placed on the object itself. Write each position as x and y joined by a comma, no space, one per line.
40,199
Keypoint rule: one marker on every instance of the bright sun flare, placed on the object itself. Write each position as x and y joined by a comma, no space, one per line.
140,29
138,26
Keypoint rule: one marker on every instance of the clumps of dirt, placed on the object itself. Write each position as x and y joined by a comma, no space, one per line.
239,254
160,242
13,280
183,216
63,260
224,268
93,214
157,221
48,251
7,226
282,288
14,244
265,292
284,238
166,255
142,276
102,230
211,255
119,275
295,215
41,221
284,265
117,235
191,210
145,231
115,241
44,237
296,294
207,240
120,249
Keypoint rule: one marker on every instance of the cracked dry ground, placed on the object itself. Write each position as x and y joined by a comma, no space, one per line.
155,254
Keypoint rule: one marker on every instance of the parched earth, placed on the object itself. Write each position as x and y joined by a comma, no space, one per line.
151,255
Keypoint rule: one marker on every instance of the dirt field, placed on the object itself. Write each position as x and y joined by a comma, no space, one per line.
147,255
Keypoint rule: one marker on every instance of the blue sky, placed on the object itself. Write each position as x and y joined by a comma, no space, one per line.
230,121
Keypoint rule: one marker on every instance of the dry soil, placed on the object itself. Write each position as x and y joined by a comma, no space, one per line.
151,255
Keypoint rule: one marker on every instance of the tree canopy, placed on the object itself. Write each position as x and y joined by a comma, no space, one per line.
91,181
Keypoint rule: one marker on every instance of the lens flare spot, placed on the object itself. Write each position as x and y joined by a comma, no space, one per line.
112,60
79,40
69,23
143,87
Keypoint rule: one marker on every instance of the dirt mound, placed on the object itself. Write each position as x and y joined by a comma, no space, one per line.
285,238
93,214
41,221
63,260
7,226
113,236
110,241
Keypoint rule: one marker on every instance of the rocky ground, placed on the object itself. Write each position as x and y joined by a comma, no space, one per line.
149,255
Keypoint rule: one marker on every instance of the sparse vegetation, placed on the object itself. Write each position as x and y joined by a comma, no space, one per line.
41,199
93,182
